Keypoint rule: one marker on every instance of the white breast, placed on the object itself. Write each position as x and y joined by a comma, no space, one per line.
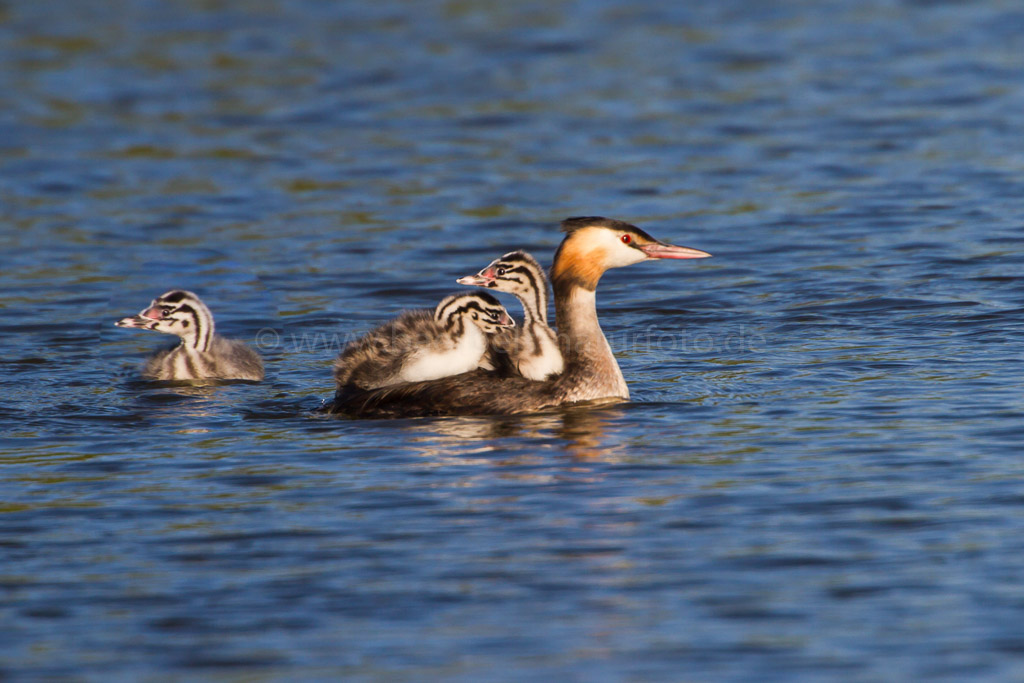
542,360
442,360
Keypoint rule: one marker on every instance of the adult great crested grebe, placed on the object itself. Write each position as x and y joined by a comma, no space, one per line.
423,345
201,353
591,246
532,349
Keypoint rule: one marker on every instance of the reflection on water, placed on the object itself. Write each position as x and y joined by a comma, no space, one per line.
589,434
186,401
584,433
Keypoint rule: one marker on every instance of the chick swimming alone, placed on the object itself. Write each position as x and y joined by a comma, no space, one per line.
201,354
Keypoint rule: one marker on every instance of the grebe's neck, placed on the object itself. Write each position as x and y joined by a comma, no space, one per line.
589,362
199,336
535,303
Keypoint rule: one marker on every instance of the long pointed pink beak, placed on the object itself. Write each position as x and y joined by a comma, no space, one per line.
662,250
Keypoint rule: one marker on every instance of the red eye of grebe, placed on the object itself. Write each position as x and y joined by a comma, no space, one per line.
626,239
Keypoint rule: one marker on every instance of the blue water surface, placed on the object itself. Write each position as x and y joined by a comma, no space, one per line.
819,476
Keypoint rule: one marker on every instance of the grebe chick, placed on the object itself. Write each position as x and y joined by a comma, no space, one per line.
201,353
591,246
424,345
533,348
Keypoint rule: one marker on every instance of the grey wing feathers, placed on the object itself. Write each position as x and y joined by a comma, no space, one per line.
376,358
233,359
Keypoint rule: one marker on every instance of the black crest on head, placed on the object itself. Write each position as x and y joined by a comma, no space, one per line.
571,225
576,222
